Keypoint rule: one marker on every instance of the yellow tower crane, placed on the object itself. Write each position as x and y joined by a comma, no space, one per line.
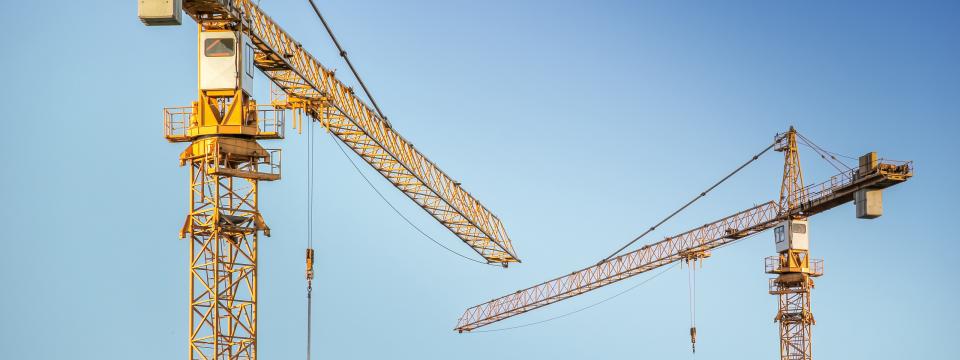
788,217
223,129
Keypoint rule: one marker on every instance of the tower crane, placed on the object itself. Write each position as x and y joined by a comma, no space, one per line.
793,267
227,163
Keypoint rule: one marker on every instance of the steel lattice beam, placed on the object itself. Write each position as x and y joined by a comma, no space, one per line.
301,76
815,199
647,258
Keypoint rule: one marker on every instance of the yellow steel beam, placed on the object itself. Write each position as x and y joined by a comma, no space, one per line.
301,76
649,257
810,200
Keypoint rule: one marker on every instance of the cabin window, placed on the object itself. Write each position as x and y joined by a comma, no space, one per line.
799,228
778,234
218,48
248,60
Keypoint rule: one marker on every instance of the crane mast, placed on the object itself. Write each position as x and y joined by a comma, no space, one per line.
793,266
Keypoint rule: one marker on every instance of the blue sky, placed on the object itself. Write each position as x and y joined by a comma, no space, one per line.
578,123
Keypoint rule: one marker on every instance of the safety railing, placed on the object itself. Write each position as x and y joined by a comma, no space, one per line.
772,266
840,181
176,123
258,164
270,122
816,267
775,287
829,187
270,164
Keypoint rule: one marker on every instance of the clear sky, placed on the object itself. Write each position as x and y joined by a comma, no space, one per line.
578,123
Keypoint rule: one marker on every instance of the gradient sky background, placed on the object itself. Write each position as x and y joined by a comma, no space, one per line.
578,123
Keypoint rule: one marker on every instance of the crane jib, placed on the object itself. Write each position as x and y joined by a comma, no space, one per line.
327,99
817,198
649,257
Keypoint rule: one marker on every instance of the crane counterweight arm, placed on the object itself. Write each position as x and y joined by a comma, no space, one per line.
649,257
303,79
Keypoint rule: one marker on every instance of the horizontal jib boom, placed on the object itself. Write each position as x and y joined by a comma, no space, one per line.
649,257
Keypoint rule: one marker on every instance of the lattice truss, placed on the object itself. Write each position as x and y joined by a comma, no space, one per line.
807,201
223,224
314,89
649,257
796,321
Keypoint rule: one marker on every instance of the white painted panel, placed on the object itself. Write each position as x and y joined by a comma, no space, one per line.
159,12
793,234
218,60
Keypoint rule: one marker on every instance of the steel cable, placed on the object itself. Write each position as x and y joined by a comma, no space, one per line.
310,177
823,153
384,198
702,194
343,54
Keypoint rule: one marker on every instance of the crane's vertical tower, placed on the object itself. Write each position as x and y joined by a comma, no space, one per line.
794,269
224,221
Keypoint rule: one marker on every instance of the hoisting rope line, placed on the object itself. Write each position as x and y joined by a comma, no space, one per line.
309,252
692,290
366,91
343,54
824,154
702,194
384,198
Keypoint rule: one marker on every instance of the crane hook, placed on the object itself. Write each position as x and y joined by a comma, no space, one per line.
693,339
692,260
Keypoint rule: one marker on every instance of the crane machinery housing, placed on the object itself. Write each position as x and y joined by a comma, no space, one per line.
793,267
223,129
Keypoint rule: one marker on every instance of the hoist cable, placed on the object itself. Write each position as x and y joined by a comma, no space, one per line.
824,153
309,270
692,293
841,155
702,194
343,54
310,165
823,156
309,316
404,217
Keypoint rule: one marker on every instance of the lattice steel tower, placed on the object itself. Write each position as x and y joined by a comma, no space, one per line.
224,222
794,269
